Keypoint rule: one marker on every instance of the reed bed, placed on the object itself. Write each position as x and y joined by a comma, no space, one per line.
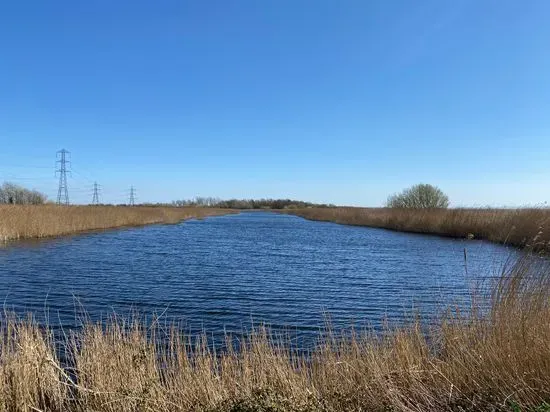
513,227
468,362
25,222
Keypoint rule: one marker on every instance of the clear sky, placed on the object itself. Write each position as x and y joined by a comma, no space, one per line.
328,101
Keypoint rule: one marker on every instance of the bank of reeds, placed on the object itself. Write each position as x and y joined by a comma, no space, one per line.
514,227
499,361
39,221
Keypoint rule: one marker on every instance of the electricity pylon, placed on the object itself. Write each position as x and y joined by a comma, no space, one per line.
132,196
63,191
95,199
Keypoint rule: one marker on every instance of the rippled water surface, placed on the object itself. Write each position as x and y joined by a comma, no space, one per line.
221,273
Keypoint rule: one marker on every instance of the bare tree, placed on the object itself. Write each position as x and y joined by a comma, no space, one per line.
13,194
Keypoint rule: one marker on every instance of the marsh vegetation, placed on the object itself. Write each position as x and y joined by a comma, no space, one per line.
492,357
516,227
40,221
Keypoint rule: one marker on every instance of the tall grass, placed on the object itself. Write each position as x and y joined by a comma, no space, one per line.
24,222
500,361
511,226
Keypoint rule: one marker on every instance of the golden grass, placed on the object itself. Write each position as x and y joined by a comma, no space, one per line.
510,226
499,361
24,222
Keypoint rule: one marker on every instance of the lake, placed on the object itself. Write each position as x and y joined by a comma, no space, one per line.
224,273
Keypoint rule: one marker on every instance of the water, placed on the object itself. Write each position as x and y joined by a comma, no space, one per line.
223,273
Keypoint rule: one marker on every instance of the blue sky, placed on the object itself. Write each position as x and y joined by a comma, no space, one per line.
329,101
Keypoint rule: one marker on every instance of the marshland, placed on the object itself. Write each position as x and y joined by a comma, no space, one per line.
518,227
42,221
265,311
274,206
465,362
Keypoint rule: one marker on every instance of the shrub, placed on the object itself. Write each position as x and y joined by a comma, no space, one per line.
421,196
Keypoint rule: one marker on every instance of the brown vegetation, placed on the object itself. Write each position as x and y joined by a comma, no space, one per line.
509,226
23,222
497,362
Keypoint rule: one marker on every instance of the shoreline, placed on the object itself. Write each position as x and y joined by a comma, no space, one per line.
20,223
465,362
511,227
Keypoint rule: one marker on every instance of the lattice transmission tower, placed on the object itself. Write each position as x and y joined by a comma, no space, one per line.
132,196
63,191
95,199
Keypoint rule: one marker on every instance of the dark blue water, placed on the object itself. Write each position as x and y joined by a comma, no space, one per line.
221,273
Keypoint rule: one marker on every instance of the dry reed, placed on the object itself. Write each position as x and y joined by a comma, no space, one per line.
24,222
514,227
500,361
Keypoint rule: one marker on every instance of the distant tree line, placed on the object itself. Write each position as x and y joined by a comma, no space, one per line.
247,203
14,194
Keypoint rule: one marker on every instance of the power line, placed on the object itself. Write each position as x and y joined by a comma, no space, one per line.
63,190
32,179
85,176
22,166
80,188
